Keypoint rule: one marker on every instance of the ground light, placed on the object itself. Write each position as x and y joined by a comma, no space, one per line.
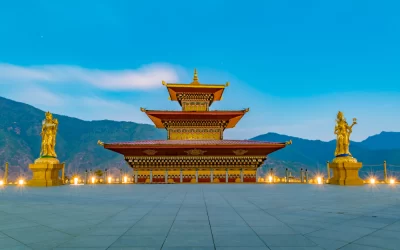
319,180
270,178
125,179
75,181
109,179
392,181
372,180
20,182
1,182
93,180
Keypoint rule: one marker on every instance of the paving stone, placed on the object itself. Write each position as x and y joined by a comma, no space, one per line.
238,241
159,231
291,240
20,247
233,230
189,241
360,247
185,229
283,229
89,241
393,227
104,230
388,243
328,244
297,248
188,248
242,248
347,236
304,229
139,241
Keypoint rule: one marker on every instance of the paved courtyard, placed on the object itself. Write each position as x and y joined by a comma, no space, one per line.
202,216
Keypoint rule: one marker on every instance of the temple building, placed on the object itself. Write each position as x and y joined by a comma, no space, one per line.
195,150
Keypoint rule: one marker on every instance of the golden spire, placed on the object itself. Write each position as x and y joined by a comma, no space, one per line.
195,77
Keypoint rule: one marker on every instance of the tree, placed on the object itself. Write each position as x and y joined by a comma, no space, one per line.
98,173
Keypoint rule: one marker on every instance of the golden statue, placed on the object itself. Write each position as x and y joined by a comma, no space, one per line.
343,132
49,132
45,169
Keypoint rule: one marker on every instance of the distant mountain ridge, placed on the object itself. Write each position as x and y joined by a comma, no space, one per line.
313,154
20,126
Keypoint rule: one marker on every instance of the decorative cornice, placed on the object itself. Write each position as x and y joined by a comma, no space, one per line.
195,123
216,162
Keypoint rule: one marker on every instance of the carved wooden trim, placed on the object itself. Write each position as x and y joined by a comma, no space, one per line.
195,152
150,152
240,152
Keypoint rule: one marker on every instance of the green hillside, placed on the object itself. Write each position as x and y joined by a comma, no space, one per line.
20,126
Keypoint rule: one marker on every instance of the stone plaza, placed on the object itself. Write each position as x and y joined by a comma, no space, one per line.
203,216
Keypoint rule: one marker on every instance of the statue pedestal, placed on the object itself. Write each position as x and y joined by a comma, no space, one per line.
45,172
346,173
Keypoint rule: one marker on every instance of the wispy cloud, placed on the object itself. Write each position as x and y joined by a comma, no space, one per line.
94,95
145,77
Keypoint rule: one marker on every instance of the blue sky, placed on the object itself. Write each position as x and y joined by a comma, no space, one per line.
294,63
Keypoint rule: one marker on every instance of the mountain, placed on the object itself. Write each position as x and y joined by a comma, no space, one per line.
383,141
20,126
313,154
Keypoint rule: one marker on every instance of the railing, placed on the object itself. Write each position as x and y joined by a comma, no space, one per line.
375,173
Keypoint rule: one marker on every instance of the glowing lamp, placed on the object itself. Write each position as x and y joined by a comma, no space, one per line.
125,179
1,182
392,181
372,180
93,180
319,180
109,179
75,181
21,182
270,178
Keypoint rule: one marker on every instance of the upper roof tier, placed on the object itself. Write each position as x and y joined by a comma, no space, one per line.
159,117
195,87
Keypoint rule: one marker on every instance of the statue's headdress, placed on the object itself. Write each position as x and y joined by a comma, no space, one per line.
340,115
48,114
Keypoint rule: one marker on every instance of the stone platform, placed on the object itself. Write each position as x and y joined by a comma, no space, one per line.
204,216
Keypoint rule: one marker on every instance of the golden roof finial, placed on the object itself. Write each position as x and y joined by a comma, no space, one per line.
195,77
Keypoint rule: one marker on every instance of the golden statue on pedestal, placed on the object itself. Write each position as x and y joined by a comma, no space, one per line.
342,132
45,169
49,132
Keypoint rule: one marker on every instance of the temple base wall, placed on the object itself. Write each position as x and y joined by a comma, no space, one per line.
193,176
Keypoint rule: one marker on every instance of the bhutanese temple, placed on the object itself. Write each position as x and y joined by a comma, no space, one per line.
195,150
